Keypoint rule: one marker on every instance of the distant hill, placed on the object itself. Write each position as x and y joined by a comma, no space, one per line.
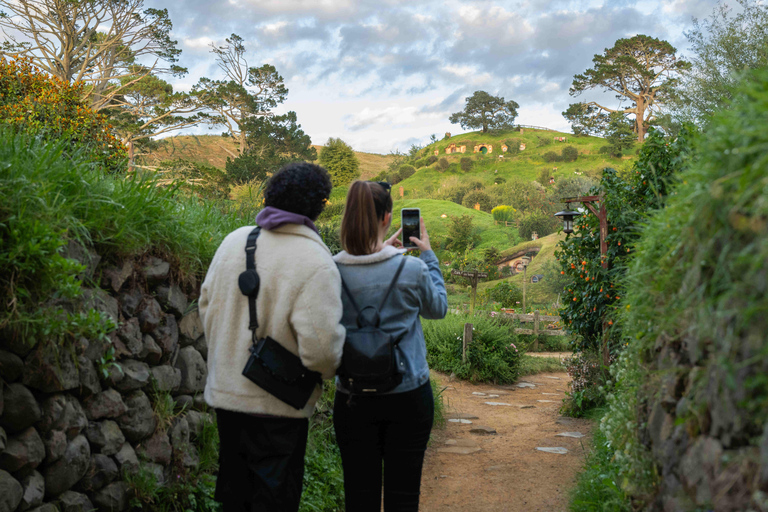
214,150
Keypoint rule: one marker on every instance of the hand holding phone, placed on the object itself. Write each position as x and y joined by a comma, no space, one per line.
411,226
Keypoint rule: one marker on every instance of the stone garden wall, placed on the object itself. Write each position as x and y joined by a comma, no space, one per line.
76,421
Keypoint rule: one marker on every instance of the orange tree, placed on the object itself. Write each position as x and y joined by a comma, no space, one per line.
591,294
34,102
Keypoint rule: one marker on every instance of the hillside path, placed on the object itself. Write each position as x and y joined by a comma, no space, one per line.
474,472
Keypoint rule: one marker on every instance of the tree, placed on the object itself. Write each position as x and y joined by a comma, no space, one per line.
487,112
585,119
246,92
723,46
271,143
640,69
462,234
98,43
340,160
619,135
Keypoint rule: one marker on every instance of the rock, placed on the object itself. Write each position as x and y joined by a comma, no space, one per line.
126,459
576,435
196,420
18,345
553,378
460,450
497,403
524,406
64,413
548,401
167,336
11,366
107,404
150,314
764,458
45,507
101,471
96,349
191,328
112,498
20,409
660,425
199,402
477,393
33,486
135,375
55,442
156,470
89,377
551,394
51,372
190,458
452,377
462,421
130,301
98,299
105,436
24,451
461,416
150,350
193,371
482,429
156,449
114,374
557,450
461,442
179,434
526,385
156,271
115,277
3,440
85,256
498,392
130,334
166,378
11,492
172,299
69,469
185,402
138,422
72,501
201,345
700,466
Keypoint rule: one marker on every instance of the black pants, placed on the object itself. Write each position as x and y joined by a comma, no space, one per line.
393,429
261,462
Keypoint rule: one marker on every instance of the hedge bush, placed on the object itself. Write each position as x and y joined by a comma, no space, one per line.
466,164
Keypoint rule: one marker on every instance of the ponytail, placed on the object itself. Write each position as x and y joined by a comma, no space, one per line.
367,203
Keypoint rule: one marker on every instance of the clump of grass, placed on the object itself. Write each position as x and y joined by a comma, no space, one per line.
531,365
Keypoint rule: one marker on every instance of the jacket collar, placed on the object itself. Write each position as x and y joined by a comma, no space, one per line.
387,252
301,230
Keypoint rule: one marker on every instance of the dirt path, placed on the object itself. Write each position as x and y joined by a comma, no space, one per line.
503,471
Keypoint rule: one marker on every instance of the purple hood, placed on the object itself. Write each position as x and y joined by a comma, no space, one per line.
271,218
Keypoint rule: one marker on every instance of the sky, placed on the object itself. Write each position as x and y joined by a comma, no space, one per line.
385,74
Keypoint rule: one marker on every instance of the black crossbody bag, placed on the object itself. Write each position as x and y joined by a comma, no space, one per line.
271,366
371,361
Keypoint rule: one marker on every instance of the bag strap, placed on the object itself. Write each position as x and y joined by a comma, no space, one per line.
386,295
250,264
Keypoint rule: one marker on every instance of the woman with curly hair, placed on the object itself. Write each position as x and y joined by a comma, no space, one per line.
391,428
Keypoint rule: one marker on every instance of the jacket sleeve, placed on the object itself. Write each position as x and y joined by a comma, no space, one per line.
316,319
434,299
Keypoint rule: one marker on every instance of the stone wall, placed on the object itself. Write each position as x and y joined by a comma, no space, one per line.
75,421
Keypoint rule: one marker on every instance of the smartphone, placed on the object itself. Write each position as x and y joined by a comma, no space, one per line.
411,226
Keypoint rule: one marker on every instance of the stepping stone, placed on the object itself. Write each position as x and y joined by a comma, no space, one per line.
577,435
558,450
460,420
527,406
498,392
477,393
496,468
553,378
564,421
461,442
459,450
551,394
461,416
493,396
481,429
497,403
548,401
526,385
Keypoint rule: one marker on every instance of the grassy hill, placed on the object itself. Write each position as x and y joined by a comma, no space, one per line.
214,150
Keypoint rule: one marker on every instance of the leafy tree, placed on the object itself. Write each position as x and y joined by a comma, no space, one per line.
586,119
271,143
513,146
466,164
640,69
618,135
505,293
569,154
723,46
550,156
478,197
462,234
405,172
541,222
442,164
487,112
340,160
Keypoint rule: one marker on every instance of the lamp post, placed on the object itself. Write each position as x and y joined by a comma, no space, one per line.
602,216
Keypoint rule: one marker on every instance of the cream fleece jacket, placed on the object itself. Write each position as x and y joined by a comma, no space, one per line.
299,306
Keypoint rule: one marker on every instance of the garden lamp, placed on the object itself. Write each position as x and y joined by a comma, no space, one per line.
567,216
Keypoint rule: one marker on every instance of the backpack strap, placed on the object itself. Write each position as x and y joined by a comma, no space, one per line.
249,280
386,295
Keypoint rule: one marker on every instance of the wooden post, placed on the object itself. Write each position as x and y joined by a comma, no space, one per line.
525,267
466,341
474,295
536,330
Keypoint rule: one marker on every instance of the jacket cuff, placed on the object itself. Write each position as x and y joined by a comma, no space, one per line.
428,256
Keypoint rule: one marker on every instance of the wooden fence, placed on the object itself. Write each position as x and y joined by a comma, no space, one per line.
536,318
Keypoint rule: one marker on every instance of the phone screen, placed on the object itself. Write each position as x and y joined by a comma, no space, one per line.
410,218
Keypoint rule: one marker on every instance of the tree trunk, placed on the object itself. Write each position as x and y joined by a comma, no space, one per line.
640,119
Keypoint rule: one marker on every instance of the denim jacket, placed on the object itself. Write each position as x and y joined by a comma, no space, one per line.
420,290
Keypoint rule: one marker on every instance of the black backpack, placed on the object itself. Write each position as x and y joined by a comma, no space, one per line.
371,362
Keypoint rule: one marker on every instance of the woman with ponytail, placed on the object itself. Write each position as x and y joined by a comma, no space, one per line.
392,428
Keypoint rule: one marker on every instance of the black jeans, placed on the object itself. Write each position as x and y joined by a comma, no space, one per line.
261,462
393,429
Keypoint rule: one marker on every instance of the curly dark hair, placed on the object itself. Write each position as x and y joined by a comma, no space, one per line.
299,187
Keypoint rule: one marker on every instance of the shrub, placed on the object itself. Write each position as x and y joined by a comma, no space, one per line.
513,146
503,213
569,154
550,156
453,167
588,376
340,160
35,103
478,197
498,180
493,355
462,234
405,172
466,164
431,159
542,223
442,164
543,141
198,178
505,293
